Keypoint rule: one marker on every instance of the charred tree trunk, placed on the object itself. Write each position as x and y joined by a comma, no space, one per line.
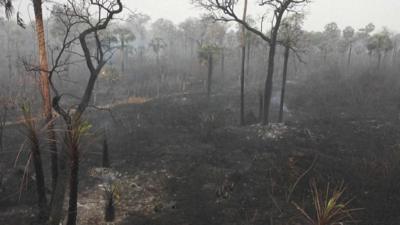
378,66
269,80
222,63
3,120
45,90
209,74
73,186
349,57
106,159
58,197
122,55
248,58
260,105
271,63
73,121
40,183
283,88
242,122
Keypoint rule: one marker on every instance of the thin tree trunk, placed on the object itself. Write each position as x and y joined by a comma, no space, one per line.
270,74
32,135
349,57
3,120
378,66
222,63
209,76
248,58
40,183
260,105
283,88
45,90
268,81
394,55
243,66
106,158
73,185
122,55
242,122
58,197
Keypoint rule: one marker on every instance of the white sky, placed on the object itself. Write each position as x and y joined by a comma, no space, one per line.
356,13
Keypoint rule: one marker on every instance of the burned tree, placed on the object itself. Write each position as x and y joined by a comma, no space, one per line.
289,35
95,57
226,11
243,65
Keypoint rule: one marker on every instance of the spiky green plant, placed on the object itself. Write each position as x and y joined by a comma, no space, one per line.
329,206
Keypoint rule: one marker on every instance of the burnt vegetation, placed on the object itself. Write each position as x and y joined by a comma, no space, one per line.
233,117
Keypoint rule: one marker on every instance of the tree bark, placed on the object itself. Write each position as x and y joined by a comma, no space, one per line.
222,63
209,76
242,122
122,55
45,90
40,183
283,88
248,58
58,197
73,179
106,159
271,62
269,80
349,57
378,66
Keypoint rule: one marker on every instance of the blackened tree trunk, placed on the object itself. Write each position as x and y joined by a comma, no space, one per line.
122,55
349,56
209,74
40,183
73,186
248,58
378,66
37,163
271,63
260,105
58,196
269,80
284,77
242,122
106,159
222,63
3,120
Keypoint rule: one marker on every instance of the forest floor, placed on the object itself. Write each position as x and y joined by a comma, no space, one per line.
181,160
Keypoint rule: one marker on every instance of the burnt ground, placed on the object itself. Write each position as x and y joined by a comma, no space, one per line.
183,160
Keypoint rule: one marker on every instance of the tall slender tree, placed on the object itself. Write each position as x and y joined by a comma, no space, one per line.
124,36
348,35
225,11
242,71
45,88
290,34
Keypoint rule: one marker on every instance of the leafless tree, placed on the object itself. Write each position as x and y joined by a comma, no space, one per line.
242,72
93,16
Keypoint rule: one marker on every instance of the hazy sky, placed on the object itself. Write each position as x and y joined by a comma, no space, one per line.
356,13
